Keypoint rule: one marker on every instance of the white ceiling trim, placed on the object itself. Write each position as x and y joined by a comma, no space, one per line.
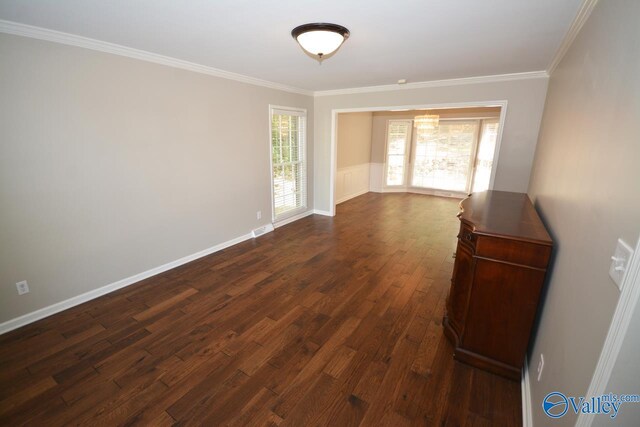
437,83
93,44
576,26
24,30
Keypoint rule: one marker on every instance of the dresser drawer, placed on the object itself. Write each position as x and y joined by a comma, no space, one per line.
513,251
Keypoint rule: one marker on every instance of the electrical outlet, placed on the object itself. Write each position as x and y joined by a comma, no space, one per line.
540,366
259,214
23,287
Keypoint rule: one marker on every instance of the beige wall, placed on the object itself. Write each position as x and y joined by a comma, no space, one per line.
354,139
380,119
111,166
585,183
525,103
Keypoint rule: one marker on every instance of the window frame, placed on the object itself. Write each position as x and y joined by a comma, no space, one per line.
483,123
302,155
472,158
410,157
407,155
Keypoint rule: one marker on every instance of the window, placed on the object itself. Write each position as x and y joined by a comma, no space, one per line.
443,155
398,137
484,158
288,164
453,155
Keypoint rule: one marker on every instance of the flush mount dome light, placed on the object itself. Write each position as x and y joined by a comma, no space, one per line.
320,40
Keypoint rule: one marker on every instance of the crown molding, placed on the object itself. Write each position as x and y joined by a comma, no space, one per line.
24,30
576,26
437,83
30,31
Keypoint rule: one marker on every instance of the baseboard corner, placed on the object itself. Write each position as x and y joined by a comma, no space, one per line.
352,196
292,219
321,212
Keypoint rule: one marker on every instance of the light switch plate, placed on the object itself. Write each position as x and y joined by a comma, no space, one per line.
620,262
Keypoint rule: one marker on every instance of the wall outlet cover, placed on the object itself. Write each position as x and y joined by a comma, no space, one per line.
620,262
23,287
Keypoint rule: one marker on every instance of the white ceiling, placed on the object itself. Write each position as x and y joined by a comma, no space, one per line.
417,40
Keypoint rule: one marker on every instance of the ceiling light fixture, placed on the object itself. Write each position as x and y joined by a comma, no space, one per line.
320,40
427,122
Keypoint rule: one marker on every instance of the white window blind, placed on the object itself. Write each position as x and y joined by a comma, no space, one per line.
288,163
399,133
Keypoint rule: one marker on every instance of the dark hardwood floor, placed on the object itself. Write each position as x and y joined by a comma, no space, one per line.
326,321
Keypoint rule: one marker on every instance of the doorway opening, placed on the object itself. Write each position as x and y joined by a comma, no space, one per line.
446,151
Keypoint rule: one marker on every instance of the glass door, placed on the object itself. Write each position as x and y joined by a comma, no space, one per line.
398,145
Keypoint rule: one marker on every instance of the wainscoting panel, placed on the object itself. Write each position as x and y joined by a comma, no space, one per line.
351,182
376,177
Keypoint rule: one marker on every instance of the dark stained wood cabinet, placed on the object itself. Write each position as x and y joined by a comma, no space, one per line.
500,264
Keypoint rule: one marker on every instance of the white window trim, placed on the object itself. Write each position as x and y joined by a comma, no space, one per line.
300,112
407,160
481,128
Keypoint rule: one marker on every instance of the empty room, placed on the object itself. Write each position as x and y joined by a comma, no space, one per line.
356,213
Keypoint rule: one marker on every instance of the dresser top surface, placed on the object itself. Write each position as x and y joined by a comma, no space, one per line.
503,213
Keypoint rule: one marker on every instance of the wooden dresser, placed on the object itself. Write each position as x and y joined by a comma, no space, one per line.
500,264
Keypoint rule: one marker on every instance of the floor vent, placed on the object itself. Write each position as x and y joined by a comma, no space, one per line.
262,230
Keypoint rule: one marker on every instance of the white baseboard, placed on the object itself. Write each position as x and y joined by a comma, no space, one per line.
321,212
23,320
351,196
424,191
527,414
292,219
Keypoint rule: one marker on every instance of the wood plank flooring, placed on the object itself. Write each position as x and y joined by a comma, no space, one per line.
326,321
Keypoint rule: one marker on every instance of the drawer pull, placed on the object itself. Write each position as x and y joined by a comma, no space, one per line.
468,236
